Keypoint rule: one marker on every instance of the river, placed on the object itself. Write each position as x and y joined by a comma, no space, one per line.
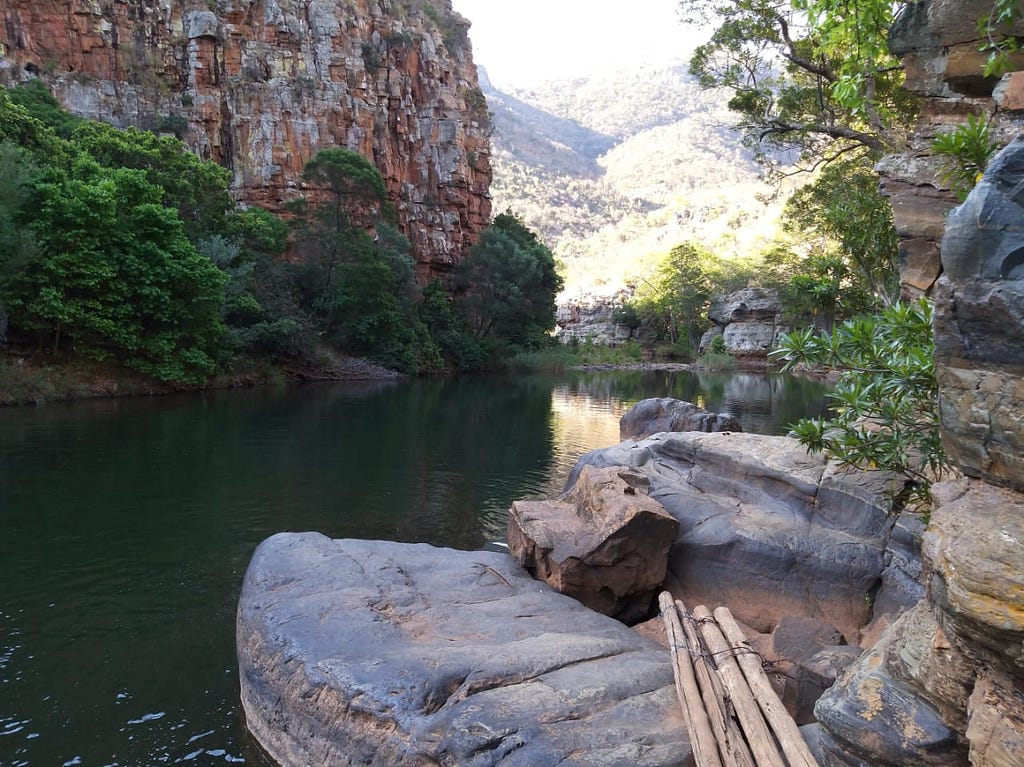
126,527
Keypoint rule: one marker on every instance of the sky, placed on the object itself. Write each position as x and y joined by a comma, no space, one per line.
528,41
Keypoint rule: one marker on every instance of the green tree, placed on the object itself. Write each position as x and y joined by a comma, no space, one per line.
361,287
673,304
114,276
810,75
843,228
885,402
196,189
37,100
511,282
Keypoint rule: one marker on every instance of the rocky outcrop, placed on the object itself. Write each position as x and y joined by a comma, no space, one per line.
941,44
589,318
651,416
943,686
604,543
750,322
979,326
368,652
768,530
260,85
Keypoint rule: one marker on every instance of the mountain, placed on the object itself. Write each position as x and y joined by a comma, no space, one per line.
614,171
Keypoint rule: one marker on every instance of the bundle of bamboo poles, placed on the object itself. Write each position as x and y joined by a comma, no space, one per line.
733,716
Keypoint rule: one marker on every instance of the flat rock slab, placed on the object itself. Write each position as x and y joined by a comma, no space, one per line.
379,653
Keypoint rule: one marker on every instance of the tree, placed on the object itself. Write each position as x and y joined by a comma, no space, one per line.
885,403
814,76
511,281
357,273
196,189
843,229
673,304
115,277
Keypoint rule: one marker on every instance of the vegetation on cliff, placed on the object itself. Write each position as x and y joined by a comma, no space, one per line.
121,246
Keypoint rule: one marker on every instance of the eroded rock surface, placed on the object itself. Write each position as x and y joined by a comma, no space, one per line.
749,320
650,416
979,326
605,542
767,529
370,652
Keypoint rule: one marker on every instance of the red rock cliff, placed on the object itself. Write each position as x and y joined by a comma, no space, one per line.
260,85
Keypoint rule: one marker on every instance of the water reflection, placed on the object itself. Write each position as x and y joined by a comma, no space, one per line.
126,527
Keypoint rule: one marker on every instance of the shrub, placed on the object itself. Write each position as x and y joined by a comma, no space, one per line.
885,403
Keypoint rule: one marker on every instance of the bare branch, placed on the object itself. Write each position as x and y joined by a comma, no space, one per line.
791,54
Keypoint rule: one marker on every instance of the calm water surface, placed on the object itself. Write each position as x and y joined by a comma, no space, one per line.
126,527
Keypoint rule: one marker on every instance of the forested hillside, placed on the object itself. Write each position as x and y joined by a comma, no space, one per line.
614,172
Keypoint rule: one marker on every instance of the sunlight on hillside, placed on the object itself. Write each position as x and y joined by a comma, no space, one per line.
614,172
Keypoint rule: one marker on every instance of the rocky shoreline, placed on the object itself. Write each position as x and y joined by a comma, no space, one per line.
367,652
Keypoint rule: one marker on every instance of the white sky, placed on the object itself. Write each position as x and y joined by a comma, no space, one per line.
522,42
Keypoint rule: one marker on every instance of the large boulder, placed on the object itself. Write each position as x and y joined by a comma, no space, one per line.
898,704
766,528
749,320
605,542
650,416
370,652
979,326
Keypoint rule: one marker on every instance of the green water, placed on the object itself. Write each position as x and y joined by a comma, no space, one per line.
126,527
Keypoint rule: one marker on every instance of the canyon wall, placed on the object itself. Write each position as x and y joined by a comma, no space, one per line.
945,685
260,86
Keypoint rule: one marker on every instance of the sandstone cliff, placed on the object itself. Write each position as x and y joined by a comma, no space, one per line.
260,85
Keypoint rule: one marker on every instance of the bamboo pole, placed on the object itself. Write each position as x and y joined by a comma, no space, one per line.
731,745
702,740
759,737
788,734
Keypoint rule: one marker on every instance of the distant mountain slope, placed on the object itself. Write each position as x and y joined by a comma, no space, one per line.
614,172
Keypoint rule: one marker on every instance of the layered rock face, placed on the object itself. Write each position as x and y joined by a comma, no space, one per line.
771,531
940,43
589,319
979,326
749,320
260,86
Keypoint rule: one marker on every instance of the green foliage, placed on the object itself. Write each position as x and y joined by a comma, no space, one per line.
999,40
813,75
966,152
885,402
672,306
116,276
717,360
563,356
197,189
40,104
845,227
512,282
20,128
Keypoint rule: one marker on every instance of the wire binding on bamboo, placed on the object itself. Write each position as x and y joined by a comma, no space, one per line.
733,716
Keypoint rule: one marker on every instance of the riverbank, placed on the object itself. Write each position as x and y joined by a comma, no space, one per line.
24,381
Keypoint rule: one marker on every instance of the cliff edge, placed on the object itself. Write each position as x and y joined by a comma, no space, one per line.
259,86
